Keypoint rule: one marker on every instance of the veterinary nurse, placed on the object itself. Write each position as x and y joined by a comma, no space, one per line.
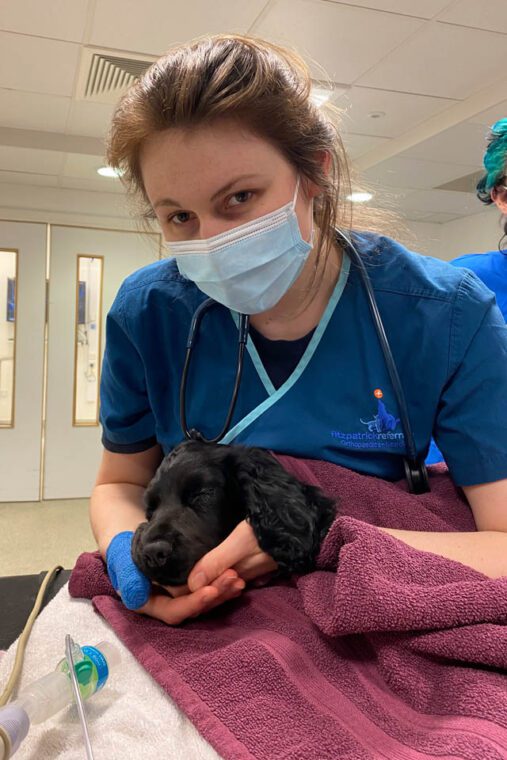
492,188
220,142
491,267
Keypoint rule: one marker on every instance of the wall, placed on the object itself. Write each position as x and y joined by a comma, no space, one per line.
423,237
474,234
89,208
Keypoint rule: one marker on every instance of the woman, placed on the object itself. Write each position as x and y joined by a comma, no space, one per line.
221,143
491,267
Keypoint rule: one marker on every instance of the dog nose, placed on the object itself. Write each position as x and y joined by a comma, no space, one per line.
156,554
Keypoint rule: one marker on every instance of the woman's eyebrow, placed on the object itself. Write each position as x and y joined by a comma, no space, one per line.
171,202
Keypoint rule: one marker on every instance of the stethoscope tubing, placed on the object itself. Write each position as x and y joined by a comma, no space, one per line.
415,469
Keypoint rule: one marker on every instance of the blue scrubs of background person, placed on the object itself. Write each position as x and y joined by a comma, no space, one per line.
225,167
490,267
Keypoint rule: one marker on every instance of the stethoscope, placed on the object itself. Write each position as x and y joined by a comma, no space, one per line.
415,469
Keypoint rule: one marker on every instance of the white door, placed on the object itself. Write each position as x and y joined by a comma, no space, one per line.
87,267
22,315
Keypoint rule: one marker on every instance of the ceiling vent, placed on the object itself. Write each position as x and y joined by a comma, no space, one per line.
104,75
465,184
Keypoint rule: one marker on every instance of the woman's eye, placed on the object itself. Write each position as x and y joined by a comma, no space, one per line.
242,197
180,218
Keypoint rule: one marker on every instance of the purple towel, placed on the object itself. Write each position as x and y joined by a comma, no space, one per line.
383,653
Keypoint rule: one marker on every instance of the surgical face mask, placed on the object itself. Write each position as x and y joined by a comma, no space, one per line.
251,267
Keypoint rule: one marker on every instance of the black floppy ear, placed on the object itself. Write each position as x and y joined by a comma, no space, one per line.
289,518
323,507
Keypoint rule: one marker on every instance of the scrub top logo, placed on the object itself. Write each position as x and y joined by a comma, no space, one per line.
381,430
383,421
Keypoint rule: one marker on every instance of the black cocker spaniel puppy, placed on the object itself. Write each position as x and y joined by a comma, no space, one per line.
201,491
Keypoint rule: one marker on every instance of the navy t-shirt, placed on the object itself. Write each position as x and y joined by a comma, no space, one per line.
280,357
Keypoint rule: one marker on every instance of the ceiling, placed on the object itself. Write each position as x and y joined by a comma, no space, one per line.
418,82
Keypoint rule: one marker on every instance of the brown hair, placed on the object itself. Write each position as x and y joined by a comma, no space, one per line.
265,86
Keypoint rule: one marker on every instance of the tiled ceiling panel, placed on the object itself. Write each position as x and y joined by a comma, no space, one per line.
35,64
33,110
56,19
385,113
152,26
479,14
462,144
413,173
344,40
420,8
442,60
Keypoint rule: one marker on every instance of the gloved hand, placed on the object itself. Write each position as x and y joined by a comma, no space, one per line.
127,579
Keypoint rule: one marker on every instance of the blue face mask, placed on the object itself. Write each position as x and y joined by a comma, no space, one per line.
251,267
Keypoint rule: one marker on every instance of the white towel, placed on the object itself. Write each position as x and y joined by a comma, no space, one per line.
131,717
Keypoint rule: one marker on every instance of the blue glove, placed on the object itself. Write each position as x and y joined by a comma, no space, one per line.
127,579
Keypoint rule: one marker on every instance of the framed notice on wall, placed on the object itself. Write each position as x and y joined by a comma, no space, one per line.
11,299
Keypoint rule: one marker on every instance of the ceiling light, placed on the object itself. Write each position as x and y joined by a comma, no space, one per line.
108,171
360,197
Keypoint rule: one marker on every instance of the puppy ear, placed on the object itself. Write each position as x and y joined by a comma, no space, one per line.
289,518
324,508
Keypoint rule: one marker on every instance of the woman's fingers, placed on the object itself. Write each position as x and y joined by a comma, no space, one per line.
235,589
239,544
173,591
174,610
253,567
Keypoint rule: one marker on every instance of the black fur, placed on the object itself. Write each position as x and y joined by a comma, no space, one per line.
201,491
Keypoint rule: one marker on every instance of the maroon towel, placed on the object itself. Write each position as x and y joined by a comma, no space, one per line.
384,652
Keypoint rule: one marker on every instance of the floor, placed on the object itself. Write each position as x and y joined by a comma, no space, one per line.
36,536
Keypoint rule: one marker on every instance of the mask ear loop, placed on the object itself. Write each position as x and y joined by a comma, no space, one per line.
312,232
294,198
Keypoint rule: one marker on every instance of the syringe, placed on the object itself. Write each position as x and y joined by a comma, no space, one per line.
51,693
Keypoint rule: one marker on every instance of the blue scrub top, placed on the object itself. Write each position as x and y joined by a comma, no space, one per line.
491,268
447,336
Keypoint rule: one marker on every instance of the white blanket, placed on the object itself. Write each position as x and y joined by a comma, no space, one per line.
132,717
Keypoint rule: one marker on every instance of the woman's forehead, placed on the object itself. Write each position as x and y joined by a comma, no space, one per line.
206,144
203,159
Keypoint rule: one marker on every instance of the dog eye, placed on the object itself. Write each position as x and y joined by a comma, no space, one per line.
201,498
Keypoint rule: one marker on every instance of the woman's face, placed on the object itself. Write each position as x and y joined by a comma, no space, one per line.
499,196
209,179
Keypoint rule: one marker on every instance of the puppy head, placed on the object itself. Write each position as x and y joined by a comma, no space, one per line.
201,491
192,504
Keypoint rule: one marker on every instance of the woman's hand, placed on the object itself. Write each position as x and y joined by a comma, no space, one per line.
240,552
183,604
218,576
